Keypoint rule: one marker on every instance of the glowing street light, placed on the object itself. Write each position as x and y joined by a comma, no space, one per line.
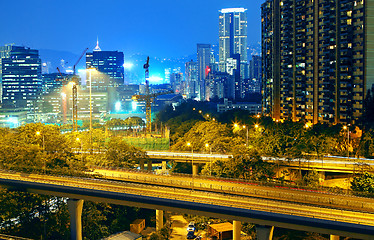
190,145
90,70
347,128
38,133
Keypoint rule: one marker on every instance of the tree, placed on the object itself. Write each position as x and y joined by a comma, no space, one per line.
217,135
120,154
363,184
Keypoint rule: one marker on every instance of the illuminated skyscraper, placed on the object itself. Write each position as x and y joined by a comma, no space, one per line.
232,36
191,79
317,59
203,65
21,77
109,66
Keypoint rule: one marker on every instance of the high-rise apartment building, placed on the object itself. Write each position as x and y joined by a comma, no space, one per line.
254,85
203,64
191,79
176,82
20,76
109,66
317,59
232,36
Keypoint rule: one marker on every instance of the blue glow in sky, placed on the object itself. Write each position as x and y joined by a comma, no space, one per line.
164,28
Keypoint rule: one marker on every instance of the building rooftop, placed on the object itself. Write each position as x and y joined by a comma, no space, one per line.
222,227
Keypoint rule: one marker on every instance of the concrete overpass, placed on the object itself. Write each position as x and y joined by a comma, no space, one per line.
322,164
265,206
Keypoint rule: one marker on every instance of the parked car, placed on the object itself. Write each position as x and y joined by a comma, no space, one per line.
191,235
191,227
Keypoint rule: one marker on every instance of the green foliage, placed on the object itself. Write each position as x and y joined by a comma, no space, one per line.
215,134
120,154
366,148
311,179
363,184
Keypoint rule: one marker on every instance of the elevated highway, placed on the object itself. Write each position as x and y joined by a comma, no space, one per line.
228,199
323,163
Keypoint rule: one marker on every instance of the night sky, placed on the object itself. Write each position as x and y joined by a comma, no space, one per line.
163,28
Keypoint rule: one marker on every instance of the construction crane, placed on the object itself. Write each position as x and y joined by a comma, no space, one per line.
148,98
74,80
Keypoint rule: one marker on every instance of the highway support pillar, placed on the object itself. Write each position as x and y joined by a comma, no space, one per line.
159,219
141,164
334,237
75,207
149,165
237,229
322,176
264,232
164,165
195,169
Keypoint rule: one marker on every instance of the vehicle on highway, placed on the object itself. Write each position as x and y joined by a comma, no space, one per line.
191,235
191,227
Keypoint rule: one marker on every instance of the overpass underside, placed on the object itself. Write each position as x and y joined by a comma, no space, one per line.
191,201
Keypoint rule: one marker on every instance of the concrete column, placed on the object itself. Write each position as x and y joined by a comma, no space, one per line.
159,219
149,165
264,232
164,165
141,164
334,237
322,176
75,209
195,169
237,229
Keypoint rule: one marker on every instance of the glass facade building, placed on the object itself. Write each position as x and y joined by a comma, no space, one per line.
203,64
109,66
232,36
21,77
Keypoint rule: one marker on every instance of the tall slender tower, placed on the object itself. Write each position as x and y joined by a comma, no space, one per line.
232,35
203,62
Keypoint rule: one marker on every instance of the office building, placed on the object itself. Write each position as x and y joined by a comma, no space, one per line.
233,37
255,74
176,82
317,60
21,77
203,66
109,66
191,80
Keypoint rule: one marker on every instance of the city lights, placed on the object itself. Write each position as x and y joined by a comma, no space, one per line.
128,65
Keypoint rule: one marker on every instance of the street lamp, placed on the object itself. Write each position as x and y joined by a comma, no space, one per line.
246,143
347,128
38,134
90,79
79,140
190,145
210,150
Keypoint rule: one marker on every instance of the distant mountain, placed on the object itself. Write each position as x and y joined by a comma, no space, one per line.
55,57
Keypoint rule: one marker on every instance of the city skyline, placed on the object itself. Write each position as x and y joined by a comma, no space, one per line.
156,29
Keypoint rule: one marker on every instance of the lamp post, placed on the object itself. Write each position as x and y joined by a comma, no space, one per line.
90,79
246,142
210,151
38,134
190,145
347,128
79,140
